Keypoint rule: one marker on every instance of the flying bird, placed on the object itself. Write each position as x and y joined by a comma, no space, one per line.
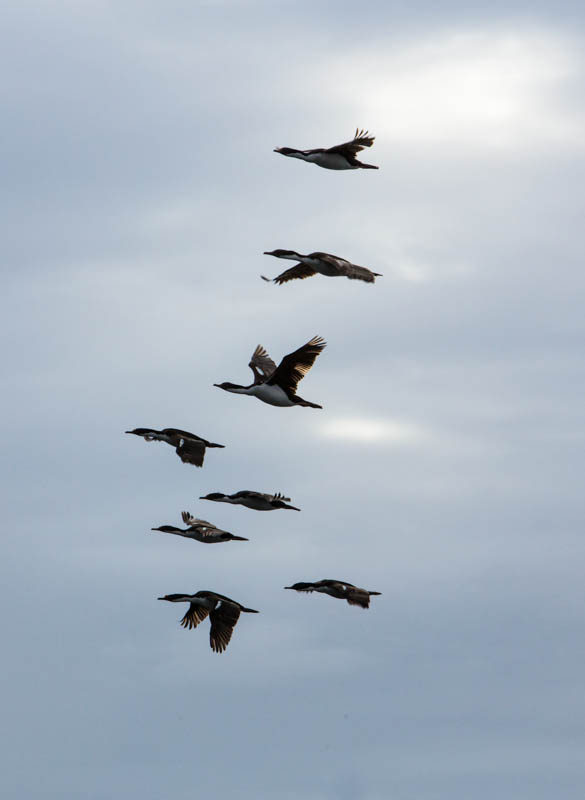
188,446
342,590
255,500
277,386
342,156
319,263
200,530
222,611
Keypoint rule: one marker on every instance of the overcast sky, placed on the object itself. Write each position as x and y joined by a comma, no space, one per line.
139,191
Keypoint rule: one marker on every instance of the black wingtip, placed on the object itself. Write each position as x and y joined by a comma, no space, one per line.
268,280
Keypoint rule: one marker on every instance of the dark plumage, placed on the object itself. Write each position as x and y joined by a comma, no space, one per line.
318,263
200,530
342,156
342,590
255,500
277,385
223,614
188,446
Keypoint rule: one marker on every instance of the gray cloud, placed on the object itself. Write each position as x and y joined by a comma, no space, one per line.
444,471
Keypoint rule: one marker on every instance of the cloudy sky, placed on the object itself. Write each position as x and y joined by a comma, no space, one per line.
139,191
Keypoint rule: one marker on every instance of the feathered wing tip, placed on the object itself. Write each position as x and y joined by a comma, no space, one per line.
261,364
308,404
195,615
364,138
318,342
363,601
223,619
360,597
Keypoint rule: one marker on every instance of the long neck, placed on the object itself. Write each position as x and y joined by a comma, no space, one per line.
237,389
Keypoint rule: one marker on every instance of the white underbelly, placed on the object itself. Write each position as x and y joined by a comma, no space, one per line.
330,161
271,394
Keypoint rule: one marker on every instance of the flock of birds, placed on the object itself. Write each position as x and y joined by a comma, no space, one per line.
277,386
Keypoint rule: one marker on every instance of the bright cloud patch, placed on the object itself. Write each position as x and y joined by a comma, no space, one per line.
371,430
489,90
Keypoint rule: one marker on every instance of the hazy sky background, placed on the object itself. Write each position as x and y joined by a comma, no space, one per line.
139,191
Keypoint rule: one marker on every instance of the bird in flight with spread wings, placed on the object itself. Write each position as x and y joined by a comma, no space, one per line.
200,530
342,156
319,264
222,611
342,590
277,386
259,501
188,446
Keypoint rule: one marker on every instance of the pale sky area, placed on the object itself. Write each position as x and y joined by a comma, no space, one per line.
139,191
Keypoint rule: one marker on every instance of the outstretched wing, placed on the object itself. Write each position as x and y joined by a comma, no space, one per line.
191,451
358,597
203,527
360,140
336,583
223,619
187,518
194,616
192,521
295,366
261,365
356,273
351,271
300,271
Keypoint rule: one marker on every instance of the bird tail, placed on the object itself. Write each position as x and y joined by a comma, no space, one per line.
308,404
240,539
249,610
213,444
366,166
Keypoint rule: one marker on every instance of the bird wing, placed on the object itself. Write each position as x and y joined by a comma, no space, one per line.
195,614
356,273
295,366
261,365
181,434
344,267
358,597
187,518
205,528
300,271
191,451
360,140
223,619
333,582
